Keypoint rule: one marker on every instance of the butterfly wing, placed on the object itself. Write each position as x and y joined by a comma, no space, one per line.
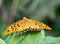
26,25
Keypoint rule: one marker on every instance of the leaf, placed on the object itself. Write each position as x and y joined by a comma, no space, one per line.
34,38
52,40
8,39
2,41
12,39
27,38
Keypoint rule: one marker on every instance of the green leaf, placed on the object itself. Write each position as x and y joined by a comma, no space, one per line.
34,38
19,39
12,39
2,41
8,38
28,38
52,40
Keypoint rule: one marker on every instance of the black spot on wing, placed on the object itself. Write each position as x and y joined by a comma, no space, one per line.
18,25
12,27
8,30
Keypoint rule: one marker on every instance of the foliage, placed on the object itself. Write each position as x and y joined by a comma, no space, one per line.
2,41
46,11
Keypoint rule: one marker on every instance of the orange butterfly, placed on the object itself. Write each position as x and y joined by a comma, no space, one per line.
26,25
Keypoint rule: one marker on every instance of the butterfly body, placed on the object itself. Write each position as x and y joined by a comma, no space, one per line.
26,25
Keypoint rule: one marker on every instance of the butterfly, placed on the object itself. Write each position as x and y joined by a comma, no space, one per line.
26,25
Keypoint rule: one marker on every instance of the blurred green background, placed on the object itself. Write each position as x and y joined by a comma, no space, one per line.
46,11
